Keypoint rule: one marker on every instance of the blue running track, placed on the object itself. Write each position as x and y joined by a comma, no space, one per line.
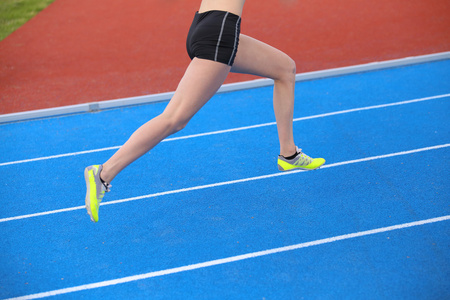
207,215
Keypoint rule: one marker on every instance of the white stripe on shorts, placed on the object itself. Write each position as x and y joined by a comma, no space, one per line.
220,36
235,40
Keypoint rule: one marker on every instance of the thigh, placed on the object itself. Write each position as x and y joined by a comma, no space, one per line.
200,82
257,58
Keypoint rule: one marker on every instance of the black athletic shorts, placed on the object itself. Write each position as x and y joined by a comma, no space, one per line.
214,35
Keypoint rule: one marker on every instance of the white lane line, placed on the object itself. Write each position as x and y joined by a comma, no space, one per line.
232,259
57,156
374,107
201,187
232,129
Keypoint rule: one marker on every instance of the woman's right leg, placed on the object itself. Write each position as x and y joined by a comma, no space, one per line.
200,82
257,58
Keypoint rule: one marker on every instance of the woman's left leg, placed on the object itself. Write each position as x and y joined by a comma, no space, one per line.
200,82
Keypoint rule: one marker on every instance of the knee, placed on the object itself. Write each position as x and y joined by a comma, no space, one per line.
177,126
174,123
287,71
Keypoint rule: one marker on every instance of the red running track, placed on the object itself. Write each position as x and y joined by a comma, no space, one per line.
79,51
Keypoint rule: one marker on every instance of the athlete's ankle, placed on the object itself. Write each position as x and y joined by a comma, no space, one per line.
289,154
104,176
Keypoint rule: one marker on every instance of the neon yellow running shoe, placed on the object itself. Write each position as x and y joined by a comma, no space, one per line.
95,190
300,161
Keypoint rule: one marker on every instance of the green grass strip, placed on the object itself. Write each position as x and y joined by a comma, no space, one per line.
15,13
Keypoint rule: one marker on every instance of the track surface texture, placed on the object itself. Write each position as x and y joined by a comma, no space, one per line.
207,215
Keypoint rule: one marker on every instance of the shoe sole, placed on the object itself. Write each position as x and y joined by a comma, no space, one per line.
296,169
299,168
88,192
